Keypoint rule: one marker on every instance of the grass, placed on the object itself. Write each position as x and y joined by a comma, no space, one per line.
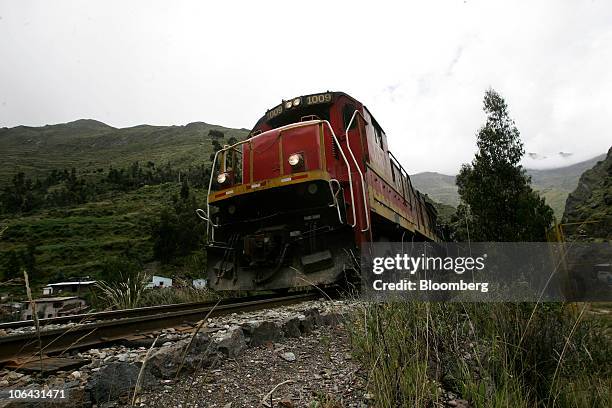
124,293
79,240
493,355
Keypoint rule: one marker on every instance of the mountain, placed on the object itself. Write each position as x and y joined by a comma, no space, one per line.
76,240
588,208
552,184
440,187
89,145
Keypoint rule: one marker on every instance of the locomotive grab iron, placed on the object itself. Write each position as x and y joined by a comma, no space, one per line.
293,204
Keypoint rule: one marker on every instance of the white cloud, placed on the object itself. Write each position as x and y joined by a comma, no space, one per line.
421,68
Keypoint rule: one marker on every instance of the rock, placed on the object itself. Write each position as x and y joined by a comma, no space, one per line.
291,327
76,375
368,397
458,403
4,383
315,315
122,357
14,375
231,343
330,318
286,402
164,362
306,324
288,356
228,405
115,380
262,332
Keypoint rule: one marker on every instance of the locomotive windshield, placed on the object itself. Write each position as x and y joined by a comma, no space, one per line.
299,113
315,106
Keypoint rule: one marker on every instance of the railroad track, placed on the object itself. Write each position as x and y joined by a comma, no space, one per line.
128,324
119,314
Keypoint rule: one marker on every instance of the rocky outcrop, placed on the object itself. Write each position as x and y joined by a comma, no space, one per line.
589,207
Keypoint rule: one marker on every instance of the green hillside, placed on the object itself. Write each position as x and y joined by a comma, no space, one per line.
552,184
90,145
113,220
439,187
588,209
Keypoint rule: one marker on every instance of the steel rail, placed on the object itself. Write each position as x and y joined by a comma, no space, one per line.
117,314
16,347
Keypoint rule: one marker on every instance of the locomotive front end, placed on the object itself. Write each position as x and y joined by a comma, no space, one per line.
275,212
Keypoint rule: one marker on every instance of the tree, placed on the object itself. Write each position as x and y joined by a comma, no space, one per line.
164,236
28,258
498,203
184,190
12,267
178,231
217,134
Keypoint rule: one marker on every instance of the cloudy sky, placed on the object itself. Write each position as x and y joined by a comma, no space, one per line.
421,68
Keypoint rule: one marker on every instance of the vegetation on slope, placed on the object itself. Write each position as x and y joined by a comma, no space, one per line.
589,206
79,197
553,185
90,145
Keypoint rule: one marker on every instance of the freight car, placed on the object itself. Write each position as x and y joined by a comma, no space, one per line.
293,204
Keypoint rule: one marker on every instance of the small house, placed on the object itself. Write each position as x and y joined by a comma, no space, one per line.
54,307
160,282
200,283
77,288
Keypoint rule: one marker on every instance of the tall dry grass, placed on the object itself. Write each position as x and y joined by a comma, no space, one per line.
124,293
493,355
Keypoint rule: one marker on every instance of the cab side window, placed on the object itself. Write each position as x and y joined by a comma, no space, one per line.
378,134
347,114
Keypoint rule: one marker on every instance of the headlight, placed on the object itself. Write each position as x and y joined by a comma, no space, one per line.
287,104
295,159
221,178
296,101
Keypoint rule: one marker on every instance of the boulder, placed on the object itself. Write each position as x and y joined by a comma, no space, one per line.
291,327
261,332
231,343
115,380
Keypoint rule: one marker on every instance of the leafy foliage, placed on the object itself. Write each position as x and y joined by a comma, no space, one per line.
66,188
498,203
178,233
588,209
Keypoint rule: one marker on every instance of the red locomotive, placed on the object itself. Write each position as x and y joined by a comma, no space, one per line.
294,203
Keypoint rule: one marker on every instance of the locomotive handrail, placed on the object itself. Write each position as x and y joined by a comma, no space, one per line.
209,222
363,189
280,129
335,196
348,166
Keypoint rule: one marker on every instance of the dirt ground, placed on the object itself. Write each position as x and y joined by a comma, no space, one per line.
316,370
